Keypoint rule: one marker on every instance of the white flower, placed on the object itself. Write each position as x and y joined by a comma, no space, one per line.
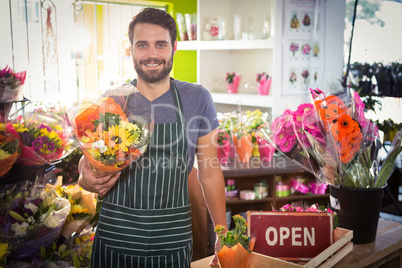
100,144
31,219
52,221
31,207
19,229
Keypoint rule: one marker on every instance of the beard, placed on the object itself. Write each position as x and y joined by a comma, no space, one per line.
153,76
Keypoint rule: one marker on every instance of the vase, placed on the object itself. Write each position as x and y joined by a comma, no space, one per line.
232,88
358,210
264,87
223,152
244,147
236,256
266,150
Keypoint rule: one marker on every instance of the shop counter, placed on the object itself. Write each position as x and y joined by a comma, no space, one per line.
385,251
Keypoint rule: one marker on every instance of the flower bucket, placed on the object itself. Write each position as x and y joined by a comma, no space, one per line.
264,86
236,256
232,88
223,152
358,210
244,147
266,150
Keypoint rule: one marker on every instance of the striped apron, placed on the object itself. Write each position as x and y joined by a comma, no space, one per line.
145,219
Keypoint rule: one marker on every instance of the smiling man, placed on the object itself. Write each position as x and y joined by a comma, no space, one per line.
145,219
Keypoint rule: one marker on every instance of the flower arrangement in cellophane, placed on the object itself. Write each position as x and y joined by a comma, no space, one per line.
110,136
332,138
9,151
74,252
83,208
30,219
44,137
236,247
11,84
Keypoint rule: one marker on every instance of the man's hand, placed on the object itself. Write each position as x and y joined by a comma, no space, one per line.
214,260
93,182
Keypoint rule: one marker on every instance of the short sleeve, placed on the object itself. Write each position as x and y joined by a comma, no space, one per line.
209,120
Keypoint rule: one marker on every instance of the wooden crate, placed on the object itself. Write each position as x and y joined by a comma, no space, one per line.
327,258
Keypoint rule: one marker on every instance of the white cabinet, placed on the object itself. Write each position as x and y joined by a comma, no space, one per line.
249,57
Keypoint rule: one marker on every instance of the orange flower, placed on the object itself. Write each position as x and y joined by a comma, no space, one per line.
343,126
330,109
350,145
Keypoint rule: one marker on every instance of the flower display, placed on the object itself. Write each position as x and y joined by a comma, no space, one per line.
316,49
9,151
223,146
294,23
306,48
232,82
306,20
305,74
300,207
293,78
83,208
44,137
11,84
109,139
236,246
332,139
31,219
263,83
294,47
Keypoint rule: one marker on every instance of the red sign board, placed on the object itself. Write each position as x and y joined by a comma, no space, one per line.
290,235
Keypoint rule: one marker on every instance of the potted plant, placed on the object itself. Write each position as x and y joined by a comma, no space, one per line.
236,247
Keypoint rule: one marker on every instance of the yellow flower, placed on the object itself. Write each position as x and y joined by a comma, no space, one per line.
85,139
122,135
3,250
4,154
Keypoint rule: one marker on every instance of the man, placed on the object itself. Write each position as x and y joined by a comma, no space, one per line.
145,219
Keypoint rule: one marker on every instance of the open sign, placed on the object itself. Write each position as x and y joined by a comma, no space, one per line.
290,235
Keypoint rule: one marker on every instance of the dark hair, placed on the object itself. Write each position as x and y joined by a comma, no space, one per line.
154,16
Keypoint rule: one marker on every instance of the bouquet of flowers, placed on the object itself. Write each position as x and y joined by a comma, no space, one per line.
74,252
9,151
44,137
223,146
11,84
109,134
31,219
83,208
236,246
333,140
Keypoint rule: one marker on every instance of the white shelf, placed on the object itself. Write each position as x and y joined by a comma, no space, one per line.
243,99
226,44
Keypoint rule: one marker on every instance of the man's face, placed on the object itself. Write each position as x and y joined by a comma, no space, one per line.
152,52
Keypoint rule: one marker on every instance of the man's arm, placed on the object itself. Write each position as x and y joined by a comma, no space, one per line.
211,179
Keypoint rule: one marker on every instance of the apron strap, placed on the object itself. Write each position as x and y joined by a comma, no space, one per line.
176,100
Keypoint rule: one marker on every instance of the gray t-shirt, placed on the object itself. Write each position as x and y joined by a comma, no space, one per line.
198,107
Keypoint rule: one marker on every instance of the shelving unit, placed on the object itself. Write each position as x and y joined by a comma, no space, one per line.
249,57
247,174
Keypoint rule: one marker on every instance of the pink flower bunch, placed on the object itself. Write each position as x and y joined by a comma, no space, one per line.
291,126
283,134
294,47
306,49
11,79
312,208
